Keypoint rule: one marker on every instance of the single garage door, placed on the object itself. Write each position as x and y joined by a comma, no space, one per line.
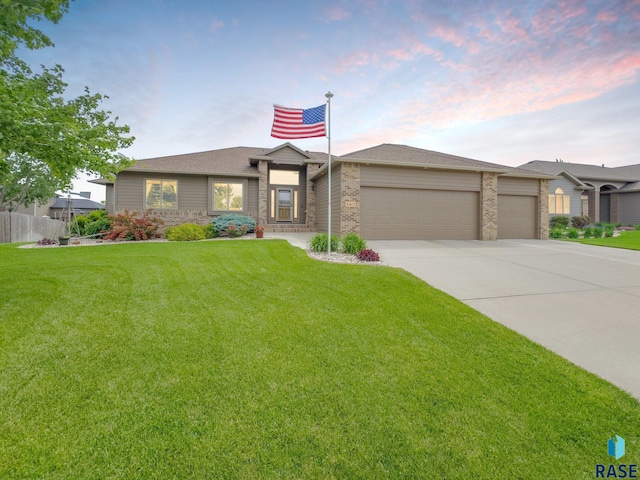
517,216
413,214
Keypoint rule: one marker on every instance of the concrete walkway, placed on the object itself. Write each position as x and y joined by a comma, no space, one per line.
580,301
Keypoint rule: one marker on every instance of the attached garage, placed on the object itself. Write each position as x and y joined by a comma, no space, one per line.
517,207
517,216
413,214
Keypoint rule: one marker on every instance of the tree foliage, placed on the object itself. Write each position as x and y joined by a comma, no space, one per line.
37,122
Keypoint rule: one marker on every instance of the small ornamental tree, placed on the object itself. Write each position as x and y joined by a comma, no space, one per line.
130,226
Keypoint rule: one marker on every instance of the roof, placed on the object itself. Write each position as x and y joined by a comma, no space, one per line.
402,154
77,204
629,173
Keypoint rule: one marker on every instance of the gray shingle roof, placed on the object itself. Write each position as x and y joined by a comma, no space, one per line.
629,173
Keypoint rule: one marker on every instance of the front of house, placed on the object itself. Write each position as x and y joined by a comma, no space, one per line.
383,192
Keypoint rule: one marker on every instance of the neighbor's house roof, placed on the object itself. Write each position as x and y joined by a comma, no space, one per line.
581,171
77,204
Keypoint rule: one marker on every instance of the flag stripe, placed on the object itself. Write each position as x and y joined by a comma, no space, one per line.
298,123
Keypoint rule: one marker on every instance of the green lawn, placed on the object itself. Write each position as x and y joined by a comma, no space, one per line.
247,359
628,239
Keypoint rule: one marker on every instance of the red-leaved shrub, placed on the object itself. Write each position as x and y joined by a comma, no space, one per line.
130,226
368,255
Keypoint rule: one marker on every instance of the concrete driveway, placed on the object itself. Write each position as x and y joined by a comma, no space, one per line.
579,301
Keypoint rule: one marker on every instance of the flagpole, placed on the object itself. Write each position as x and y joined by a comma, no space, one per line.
329,95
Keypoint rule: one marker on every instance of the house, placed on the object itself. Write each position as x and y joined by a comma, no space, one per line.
63,206
383,192
606,194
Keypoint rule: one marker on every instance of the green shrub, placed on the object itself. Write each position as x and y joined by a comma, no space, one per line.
581,221
588,232
186,232
556,232
637,227
608,230
131,226
597,232
559,221
573,233
352,243
210,232
222,223
319,243
234,232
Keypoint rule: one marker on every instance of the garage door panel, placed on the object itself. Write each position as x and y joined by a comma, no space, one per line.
517,216
394,213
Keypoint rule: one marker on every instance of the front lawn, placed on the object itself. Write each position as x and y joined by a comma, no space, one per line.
247,359
627,239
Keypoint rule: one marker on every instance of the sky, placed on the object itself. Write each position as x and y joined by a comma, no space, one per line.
500,81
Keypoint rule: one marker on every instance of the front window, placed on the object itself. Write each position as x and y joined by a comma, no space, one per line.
284,177
228,196
559,203
161,194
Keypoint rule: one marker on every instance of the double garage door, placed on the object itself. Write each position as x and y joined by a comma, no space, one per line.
415,214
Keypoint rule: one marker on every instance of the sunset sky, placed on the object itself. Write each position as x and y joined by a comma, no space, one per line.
499,81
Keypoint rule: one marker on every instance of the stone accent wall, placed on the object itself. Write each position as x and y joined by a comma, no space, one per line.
350,198
489,206
543,210
263,192
173,218
614,205
310,214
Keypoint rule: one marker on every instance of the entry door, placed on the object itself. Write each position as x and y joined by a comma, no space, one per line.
284,199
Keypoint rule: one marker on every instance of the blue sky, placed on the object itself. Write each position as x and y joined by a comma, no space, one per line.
499,81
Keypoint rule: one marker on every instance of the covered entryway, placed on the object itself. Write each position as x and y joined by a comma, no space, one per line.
517,216
406,214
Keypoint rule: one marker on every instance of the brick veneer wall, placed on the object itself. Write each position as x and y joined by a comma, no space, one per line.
350,198
174,218
489,206
310,214
543,210
263,191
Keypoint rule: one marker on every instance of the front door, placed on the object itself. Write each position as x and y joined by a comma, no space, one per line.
284,204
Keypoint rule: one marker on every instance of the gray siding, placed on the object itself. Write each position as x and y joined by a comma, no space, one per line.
193,191
629,208
378,176
569,188
321,201
288,154
110,198
519,186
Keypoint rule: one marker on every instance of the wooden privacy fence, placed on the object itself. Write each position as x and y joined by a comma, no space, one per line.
17,227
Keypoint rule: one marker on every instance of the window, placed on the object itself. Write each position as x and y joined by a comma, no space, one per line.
228,196
161,194
559,203
284,177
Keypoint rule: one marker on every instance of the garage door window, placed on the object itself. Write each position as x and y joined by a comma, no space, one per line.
559,202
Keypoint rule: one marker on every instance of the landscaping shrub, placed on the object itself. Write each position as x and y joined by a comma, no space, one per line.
92,224
573,233
368,255
234,232
608,230
185,233
556,232
581,221
597,232
588,232
559,221
353,243
319,243
221,224
130,226
210,232
637,227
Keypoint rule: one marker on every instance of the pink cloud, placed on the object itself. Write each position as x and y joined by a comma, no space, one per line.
336,13
608,17
216,25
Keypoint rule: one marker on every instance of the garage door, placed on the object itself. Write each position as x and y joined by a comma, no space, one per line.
411,214
517,216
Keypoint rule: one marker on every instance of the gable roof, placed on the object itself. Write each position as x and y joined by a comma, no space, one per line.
629,173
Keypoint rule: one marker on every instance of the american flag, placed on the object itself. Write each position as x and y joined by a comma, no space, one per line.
298,123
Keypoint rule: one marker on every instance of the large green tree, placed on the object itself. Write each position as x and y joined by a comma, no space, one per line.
38,123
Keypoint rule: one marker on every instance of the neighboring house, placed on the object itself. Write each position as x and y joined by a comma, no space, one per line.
606,194
383,192
59,206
